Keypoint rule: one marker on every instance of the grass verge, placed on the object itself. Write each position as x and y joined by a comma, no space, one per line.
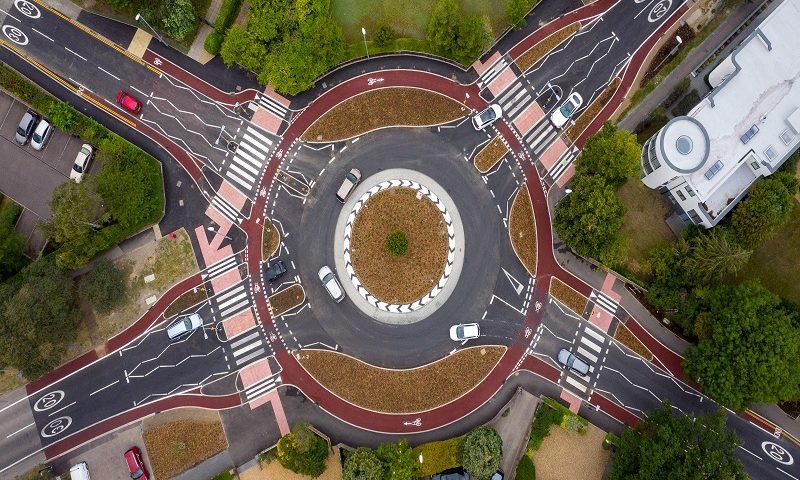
590,113
522,230
439,456
643,224
567,296
538,51
290,297
490,155
176,446
10,379
186,300
270,239
625,337
385,107
401,391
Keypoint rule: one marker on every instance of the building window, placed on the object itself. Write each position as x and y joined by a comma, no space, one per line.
713,170
680,195
689,191
749,134
786,137
695,217
755,165
770,153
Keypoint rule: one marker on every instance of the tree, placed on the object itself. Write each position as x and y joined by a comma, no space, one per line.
12,246
525,469
443,27
750,349
612,154
179,18
104,286
474,33
590,219
384,35
399,461
363,464
676,446
302,451
76,212
235,45
714,255
766,208
483,452
516,11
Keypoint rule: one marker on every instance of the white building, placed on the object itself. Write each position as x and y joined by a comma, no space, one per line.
744,129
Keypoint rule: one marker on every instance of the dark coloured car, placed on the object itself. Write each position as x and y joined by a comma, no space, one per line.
133,458
274,271
129,103
452,474
26,127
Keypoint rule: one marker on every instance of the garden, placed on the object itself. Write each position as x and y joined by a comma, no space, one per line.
177,446
522,230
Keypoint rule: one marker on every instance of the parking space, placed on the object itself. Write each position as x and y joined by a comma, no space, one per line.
30,176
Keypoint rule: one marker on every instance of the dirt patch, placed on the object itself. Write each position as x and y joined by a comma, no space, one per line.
174,447
401,391
392,278
538,51
625,337
556,459
186,300
270,239
568,296
10,378
387,107
288,298
522,230
590,113
273,470
490,155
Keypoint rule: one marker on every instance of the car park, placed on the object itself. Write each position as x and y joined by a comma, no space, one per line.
82,162
566,110
487,117
350,181
331,284
274,271
128,102
26,127
183,326
133,459
465,331
573,362
41,134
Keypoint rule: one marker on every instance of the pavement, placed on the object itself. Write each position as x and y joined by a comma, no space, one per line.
513,423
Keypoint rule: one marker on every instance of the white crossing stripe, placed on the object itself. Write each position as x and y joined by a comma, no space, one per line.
595,334
247,348
563,163
590,344
576,384
502,99
245,339
220,267
587,355
250,155
255,133
271,104
253,355
493,71
262,388
606,303
224,208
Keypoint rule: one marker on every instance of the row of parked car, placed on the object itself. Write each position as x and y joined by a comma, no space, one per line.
559,117
133,460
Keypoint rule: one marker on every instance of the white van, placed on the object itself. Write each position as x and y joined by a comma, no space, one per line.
79,471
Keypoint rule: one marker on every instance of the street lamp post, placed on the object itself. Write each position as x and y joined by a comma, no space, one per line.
364,34
140,18
671,52
212,229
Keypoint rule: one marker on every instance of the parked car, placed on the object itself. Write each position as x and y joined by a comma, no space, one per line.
498,475
82,162
487,117
183,326
26,127
331,283
129,103
350,181
562,113
133,458
274,271
465,331
457,473
573,362
41,134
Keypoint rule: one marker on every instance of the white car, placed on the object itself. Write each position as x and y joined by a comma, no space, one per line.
350,181
82,162
183,326
562,113
41,135
465,331
331,283
573,362
487,117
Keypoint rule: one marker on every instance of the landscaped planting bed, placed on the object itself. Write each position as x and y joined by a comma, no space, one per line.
538,51
401,391
439,456
522,230
176,446
186,300
490,155
568,296
588,115
270,239
392,278
625,337
287,299
386,107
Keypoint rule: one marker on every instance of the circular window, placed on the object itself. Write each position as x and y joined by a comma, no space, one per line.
684,145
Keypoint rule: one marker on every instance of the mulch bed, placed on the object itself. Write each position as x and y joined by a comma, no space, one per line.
538,51
686,33
588,115
174,447
401,391
287,299
186,300
522,230
270,239
386,107
391,278
490,155
625,337
567,296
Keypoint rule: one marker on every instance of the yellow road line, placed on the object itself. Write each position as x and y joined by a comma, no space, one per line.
775,426
99,37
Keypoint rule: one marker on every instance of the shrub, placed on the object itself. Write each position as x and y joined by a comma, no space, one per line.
525,469
62,115
545,417
397,243
483,452
104,286
677,92
439,456
179,18
686,104
227,14
302,451
213,42
362,464
384,35
516,11
399,460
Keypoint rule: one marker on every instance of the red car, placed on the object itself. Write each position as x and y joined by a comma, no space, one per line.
133,458
129,103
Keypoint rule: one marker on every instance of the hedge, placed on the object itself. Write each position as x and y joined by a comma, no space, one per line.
525,469
440,456
227,14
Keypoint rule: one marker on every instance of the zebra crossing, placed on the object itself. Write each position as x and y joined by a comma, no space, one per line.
541,136
605,302
232,301
563,163
590,345
220,268
268,103
248,349
492,72
248,159
227,210
262,387
515,99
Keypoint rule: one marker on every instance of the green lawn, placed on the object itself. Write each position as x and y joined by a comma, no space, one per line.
408,18
644,222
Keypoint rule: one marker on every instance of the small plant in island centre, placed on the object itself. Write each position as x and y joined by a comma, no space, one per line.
397,243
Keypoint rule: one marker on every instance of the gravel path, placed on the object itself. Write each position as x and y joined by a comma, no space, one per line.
571,455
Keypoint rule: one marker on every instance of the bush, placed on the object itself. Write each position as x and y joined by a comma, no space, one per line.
213,42
104,286
483,452
516,10
545,417
179,18
302,451
525,469
686,104
227,14
397,243
677,92
362,464
384,35
62,115
399,461
439,456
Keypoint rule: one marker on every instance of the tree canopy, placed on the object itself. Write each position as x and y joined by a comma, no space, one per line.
483,452
399,461
665,446
12,246
104,286
363,464
766,208
611,153
748,348
453,34
302,451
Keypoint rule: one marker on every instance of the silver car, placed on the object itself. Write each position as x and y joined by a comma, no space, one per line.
41,135
82,162
573,362
562,113
183,326
26,126
331,283
350,181
487,117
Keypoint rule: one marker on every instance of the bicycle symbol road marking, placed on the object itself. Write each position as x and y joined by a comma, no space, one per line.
27,8
15,35
49,400
56,426
157,61
777,453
